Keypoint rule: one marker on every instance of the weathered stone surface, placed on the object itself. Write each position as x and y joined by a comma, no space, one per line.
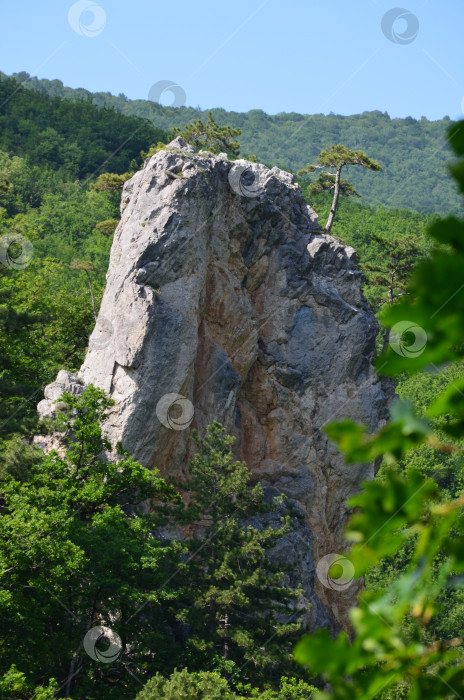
65,382
222,289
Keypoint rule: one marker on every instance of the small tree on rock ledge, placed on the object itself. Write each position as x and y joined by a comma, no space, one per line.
210,136
336,157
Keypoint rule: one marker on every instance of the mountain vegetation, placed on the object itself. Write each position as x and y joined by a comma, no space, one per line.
71,524
414,153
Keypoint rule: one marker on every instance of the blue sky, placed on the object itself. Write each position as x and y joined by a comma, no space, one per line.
296,56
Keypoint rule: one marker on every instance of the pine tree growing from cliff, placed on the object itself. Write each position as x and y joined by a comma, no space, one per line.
240,614
210,136
336,158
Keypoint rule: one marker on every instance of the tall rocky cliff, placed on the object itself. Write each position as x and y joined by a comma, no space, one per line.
224,300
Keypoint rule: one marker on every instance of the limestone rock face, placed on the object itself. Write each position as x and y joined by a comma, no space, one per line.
225,301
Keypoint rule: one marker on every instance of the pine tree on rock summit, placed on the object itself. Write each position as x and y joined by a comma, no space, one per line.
211,137
336,158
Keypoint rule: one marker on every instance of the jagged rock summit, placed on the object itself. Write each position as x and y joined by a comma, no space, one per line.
224,300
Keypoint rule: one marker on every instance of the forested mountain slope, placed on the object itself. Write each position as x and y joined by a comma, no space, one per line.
413,153
74,137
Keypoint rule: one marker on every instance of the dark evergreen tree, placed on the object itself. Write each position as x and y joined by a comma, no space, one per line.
391,272
388,277
239,614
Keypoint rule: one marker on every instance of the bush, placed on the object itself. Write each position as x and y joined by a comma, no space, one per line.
183,685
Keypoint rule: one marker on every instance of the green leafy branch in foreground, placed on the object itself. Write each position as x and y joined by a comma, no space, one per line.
391,649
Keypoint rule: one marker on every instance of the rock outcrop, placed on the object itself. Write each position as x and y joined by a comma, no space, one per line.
225,301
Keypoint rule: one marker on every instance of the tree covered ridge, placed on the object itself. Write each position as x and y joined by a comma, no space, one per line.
414,154
75,137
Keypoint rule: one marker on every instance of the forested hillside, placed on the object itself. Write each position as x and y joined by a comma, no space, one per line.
413,153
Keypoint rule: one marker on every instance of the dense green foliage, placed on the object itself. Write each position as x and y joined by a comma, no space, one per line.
45,309
413,153
72,136
183,685
79,551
